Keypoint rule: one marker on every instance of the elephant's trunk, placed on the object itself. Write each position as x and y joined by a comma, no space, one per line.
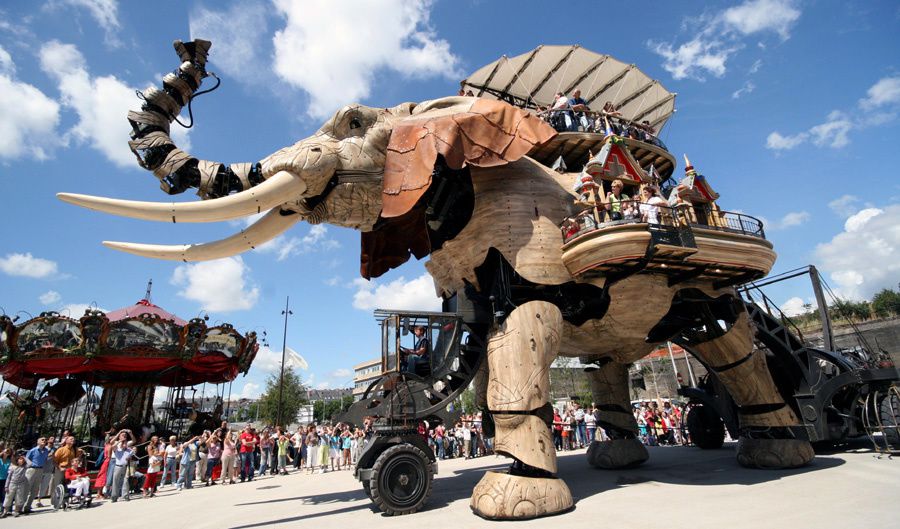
154,148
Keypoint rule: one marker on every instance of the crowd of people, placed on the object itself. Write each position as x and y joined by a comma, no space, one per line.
616,207
129,467
572,114
465,439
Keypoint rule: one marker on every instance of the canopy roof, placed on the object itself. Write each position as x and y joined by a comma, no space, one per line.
143,307
533,78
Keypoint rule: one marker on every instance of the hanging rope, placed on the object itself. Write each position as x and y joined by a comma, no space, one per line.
621,85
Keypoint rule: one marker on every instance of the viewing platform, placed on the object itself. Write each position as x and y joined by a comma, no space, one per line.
725,247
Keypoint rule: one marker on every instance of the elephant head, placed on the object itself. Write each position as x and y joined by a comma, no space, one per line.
365,168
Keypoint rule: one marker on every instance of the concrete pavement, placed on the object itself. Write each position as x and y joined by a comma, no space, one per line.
679,487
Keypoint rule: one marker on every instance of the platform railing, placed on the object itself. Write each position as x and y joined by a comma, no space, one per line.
727,221
599,122
681,216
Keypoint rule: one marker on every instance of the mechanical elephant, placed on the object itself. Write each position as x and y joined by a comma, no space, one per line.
451,179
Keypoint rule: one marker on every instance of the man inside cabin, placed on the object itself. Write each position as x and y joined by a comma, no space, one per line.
579,106
420,352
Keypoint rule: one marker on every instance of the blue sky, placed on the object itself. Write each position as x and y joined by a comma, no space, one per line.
790,108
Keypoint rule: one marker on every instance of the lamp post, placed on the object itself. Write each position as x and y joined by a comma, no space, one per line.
286,312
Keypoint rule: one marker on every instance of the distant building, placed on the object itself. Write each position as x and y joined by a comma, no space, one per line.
363,375
328,394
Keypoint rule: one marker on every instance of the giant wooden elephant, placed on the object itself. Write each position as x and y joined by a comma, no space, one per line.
451,179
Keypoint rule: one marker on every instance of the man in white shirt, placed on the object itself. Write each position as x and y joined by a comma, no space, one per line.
590,425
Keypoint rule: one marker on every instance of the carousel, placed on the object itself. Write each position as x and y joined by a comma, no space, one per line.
101,371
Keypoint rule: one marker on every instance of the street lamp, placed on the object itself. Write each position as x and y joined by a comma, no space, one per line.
286,312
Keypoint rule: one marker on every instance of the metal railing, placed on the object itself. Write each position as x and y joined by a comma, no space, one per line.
600,123
683,216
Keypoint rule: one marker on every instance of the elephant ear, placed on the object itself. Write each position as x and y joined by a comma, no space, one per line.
483,133
488,134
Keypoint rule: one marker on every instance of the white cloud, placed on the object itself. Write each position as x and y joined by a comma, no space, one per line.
235,51
748,88
417,294
316,240
757,64
777,142
756,16
690,59
323,385
845,205
104,12
267,360
793,307
101,102
28,118
858,221
342,373
49,297
333,281
251,390
794,218
76,310
721,35
333,49
885,92
834,132
219,286
865,257
27,265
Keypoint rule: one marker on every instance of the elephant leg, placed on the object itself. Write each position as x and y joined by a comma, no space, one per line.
519,356
765,440
609,386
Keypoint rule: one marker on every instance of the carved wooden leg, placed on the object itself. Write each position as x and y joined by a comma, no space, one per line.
744,373
609,386
519,356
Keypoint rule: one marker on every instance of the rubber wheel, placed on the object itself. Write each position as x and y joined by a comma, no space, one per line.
367,489
705,427
889,411
401,480
58,497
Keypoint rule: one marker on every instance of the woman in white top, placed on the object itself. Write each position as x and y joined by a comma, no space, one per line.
650,202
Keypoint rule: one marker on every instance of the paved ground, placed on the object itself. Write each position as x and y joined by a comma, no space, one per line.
677,488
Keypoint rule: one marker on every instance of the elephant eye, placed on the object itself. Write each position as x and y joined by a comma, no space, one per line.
355,124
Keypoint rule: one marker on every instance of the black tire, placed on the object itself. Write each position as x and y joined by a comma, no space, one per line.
705,427
367,489
401,480
889,412
58,497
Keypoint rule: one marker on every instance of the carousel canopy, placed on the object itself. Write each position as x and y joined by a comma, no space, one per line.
533,78
137,345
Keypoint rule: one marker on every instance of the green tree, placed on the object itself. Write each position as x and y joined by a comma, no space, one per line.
853,311
294,396
886,303
330,410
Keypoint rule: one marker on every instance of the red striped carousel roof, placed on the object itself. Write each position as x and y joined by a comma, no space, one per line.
135,345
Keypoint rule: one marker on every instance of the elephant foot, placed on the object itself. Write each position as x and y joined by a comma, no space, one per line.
502,496
774,453
617,453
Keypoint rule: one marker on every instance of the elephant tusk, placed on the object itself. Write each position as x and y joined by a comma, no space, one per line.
273,224
280,188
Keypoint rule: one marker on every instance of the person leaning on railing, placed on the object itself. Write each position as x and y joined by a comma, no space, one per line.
650,203
618,203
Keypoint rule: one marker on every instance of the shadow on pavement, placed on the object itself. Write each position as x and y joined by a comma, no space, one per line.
672,465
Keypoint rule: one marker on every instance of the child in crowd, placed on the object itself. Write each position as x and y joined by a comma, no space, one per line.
16,487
